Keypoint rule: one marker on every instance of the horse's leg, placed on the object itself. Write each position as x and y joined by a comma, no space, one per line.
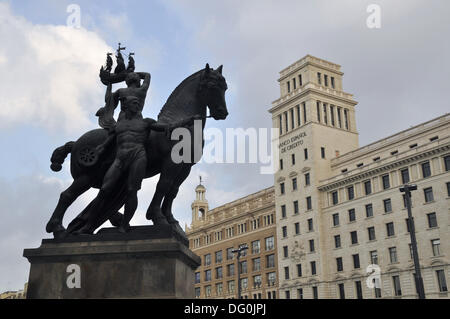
168,173
170,196
67,197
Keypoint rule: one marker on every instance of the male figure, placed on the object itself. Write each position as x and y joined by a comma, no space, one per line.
131,133
133,89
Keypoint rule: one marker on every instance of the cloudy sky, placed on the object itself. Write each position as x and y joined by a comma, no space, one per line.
50,91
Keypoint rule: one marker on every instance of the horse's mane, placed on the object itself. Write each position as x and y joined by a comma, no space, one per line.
166,110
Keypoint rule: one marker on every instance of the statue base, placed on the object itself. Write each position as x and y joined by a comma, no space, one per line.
146,262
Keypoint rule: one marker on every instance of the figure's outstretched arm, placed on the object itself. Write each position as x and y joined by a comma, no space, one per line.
153,125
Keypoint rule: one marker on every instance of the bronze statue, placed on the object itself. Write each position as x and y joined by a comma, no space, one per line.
117,157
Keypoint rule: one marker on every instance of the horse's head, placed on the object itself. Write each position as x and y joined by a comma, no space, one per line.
212,90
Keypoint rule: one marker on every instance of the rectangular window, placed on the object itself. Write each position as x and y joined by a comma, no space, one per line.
305,151
294,83
356,264
319,78
310,224
332,114
197,277
441,281
354,237
270,261
218,256
436,246
325,115
448,189
208,275
432,220
315,293
393,254
291,114
341,291
369,210
256,247
397,287
296,209
322,152
390,229
288,84
351,192
286,125
346,119
358,287
281,164
387,205
300,82
286,272
447,163
337,241
351,215
293,159
307,179
282,188
284,229
367,187
371,232
313,267
405,175
325,79
229,253
374,257
339,265
336,219
299,270
308,203
305,119
428,192
332,82
219,273
283,211
285,252
257,264
297,108
318,111
269,243
426,169
339,117
334,196
294,184
297,228
207,259
385,180
311,246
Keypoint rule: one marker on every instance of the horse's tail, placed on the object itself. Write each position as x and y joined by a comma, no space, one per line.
59,155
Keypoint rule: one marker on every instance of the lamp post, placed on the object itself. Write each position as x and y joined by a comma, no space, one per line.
412,232
239,252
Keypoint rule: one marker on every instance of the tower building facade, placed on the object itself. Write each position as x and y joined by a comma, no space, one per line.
338,206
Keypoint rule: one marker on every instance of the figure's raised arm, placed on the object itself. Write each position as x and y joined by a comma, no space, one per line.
146,77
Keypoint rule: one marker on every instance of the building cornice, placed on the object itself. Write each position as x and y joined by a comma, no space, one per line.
383,168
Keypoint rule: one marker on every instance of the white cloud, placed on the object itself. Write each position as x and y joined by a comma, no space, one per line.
50,74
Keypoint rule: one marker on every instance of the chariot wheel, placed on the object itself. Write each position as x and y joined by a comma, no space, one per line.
88,156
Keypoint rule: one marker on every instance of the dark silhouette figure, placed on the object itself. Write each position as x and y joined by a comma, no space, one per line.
115,162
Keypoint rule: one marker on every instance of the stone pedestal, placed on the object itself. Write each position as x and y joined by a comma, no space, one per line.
147,262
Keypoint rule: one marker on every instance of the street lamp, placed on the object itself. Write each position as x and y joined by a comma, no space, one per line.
239,251
412,232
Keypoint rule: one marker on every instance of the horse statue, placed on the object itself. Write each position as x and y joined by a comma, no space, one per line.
191,98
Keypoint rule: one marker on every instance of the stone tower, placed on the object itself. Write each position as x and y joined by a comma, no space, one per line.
199,205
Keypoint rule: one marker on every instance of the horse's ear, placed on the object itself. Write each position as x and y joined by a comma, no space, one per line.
219,69
207,69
